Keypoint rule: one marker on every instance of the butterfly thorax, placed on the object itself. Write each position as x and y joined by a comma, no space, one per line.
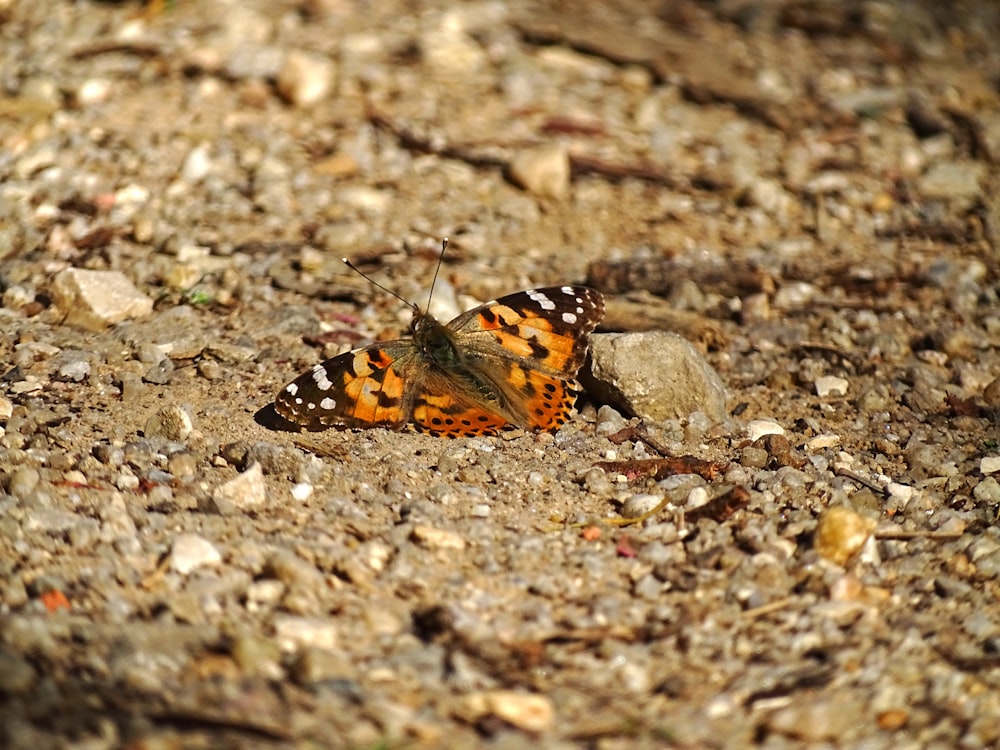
435,341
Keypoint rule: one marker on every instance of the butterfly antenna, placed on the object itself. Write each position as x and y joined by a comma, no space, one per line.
372,281
430,295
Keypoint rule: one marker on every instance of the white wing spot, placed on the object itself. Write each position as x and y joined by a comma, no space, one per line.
541,300
298,401
310,406
568,290
328,404
322,381
569,318
291,389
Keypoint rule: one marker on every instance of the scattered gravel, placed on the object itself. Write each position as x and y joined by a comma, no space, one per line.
773,522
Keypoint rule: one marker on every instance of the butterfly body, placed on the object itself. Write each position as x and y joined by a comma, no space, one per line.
511,361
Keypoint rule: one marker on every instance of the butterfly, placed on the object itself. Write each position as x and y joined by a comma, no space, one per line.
509,362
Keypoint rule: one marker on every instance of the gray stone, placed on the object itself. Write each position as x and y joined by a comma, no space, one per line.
655,375
96,299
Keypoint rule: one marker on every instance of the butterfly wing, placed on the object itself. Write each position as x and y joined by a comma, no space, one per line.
528,348
366,387
445,406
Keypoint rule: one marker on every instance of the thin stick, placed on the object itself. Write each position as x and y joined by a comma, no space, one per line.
900,535
842,472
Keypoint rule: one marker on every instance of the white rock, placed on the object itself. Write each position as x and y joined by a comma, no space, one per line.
264,594
640,504
302,491
190,551
543,170
197,164
758,428
900,492
96,299
989,464
831,385
826,440
292,633
93,91
305,78
244,491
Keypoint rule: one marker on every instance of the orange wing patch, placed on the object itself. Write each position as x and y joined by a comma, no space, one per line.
551,403
450,415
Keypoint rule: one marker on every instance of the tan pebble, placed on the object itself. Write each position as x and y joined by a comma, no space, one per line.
305,78
543,170
527,711
170,422
841,533
431,538
826,440
831,385
883,202
892,720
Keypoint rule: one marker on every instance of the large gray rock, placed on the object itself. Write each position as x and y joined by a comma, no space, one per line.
655,375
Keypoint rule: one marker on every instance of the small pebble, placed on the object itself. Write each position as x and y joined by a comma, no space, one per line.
989,464
988,492
245,491
190,551
319,666
758,428
831,385
23,481
542,170
432,538
530,712
305,78
826,440
841,533
292,633
171,423
302,491
640,504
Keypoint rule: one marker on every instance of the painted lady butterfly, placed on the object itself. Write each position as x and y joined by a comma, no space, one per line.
512,361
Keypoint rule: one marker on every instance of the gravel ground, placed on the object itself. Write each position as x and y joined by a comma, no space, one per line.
805,190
